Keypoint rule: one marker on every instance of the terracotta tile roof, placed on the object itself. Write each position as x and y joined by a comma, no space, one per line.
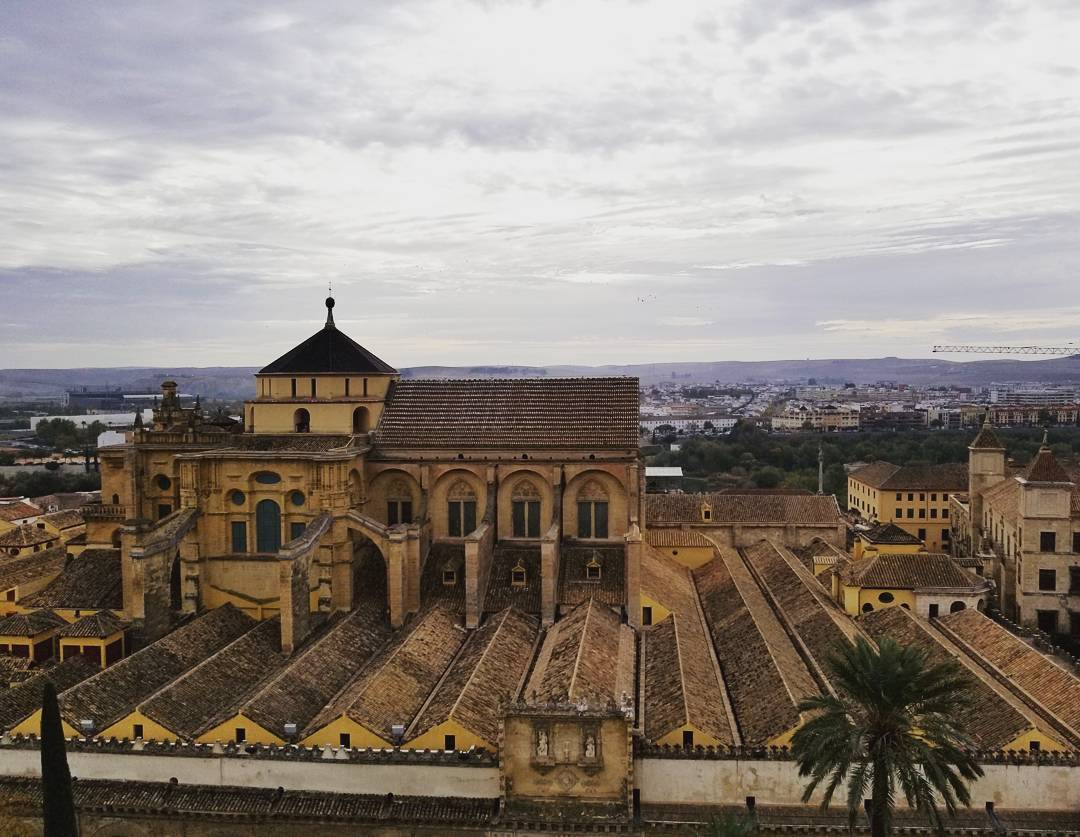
1003,498
116,691
811,615
25,534
443,557
765,675
1045,468
30,624
66,500
90,581
14,670
910,572
681,681
579,413
803,509
20,702
18,510
888,533
1046,683
328,351
65,519
669,538
884,475
501,593
994,720
987,439
212,691
393,687
97,625
486,672
309,681
589,654
26,568
574,585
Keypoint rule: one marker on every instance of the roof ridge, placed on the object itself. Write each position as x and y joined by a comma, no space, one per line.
581,647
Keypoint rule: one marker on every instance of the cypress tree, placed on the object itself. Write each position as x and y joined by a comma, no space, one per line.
58,799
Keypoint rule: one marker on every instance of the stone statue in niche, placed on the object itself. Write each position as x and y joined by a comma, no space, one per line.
590,747
542,744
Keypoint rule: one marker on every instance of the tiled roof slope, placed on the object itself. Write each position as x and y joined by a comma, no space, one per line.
310,680
993,720
1047,683
574,586
25,568
65,519
20,702
1045,468
111,694
910,572
500,592
814,618
1004,498
987,439
30,624
487,671
765,676
394,686
681,682
589,654
669,538
97,625
805,509
578,413
18,510
25,534
884,475
889,533
212,691
442,557
328,351
90,581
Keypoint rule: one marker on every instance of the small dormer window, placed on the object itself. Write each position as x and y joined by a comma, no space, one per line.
592,570
706,512
518,577
449,578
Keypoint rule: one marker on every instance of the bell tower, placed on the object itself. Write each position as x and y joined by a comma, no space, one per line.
986,467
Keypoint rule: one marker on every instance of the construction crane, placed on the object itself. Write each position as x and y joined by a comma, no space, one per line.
1012,350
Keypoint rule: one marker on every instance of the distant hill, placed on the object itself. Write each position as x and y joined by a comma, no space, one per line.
237,382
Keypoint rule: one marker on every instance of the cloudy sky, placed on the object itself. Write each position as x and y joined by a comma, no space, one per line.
536,182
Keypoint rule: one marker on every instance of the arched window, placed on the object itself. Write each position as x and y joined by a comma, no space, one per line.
461,509
866,608
592,511
398,502
267,526
706,513
116,499
360,420
301,421
525,510
956,607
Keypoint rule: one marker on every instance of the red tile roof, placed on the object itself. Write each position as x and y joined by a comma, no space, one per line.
578,413
808,509
910,572
1045,468
885,475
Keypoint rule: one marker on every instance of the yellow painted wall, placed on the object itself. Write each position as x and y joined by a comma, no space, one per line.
434,738
1045,742
330,734
330,411
659,611
508,485
689,556
784,739
125,728
618,512
856,597
226,730
31,725
701,739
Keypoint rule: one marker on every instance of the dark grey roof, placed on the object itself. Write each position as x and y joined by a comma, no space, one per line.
328,351
90,581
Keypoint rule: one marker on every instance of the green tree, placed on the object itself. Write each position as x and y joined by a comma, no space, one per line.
892,728
57,795
767,477
729,824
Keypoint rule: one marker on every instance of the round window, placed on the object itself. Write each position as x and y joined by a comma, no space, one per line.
297,498
866,608
163,482
237,498
885,597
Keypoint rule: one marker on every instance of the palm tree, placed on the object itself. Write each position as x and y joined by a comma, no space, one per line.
894,725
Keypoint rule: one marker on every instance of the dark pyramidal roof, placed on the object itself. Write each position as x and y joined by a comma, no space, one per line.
328,351
987,439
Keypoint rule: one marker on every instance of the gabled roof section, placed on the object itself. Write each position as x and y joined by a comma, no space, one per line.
90,581
23,700
98,625
911,572
1045,468
328,351
589,413
32,566
987,439
30,624
889,533
26,534
802,509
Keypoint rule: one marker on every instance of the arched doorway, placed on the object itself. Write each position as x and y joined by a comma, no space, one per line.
301,421
369,575
267,526
361,422
175,600
956,607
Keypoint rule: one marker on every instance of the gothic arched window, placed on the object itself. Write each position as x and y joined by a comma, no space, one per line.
525,510
592,511
398,502
461,509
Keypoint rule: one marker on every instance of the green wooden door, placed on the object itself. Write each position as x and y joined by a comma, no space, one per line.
267,526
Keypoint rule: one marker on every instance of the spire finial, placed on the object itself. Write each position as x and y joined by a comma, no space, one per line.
1046,437
330,311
